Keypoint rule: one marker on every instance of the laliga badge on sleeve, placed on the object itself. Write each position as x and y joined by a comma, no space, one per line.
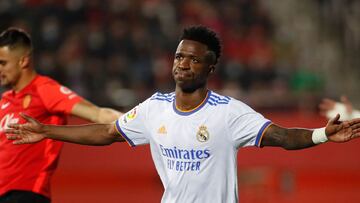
130,115
26,101
65,90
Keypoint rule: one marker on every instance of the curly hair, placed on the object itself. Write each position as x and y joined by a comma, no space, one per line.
205,36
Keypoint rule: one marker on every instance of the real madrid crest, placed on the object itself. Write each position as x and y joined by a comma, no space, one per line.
26,101
203,134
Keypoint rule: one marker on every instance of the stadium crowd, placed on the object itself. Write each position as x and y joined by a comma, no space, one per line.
108,49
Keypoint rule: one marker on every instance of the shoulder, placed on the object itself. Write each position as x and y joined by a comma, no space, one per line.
233,106
47,85
44,80
162,97
52,91
216,99
157,102
44,84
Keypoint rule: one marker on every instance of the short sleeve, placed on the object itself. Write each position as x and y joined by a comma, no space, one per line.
57,98
246,125
132,125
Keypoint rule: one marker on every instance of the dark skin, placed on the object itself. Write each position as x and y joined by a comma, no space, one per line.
193,63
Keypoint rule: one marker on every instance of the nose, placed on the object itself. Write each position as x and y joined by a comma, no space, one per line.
184,63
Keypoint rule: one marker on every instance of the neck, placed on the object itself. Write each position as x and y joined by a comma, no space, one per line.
24,80
187,101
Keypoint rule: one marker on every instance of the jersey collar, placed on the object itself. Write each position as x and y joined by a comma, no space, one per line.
191,111
13,93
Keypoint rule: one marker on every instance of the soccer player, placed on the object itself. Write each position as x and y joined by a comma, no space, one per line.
26,170
194,133
329,108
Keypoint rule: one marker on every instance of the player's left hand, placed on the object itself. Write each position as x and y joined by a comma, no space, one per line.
342,131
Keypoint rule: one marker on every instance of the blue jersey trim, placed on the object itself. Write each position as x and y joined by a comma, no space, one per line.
214,100
123,134
186,113
163,97
261,133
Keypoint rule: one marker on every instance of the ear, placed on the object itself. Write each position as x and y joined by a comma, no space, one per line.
24,62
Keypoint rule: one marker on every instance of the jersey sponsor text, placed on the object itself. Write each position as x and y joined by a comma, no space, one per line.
184,159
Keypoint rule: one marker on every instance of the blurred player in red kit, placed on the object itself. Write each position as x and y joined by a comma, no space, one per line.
26,170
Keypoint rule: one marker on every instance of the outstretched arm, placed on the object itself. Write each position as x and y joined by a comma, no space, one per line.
91,134
93,113
292,139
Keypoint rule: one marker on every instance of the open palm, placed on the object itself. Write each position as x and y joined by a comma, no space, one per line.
338,131
30,132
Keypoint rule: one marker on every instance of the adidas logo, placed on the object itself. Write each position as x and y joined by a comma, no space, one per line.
162,130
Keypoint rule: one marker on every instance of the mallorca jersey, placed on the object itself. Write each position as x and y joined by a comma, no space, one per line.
195,152
30,167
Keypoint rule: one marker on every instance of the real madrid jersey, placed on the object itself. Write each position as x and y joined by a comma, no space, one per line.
195,152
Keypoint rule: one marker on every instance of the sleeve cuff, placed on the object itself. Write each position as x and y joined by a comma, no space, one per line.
118,129
261,133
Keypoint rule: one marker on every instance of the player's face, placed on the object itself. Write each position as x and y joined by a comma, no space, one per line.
10,69
191,65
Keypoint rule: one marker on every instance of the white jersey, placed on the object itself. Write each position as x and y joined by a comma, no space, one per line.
195,152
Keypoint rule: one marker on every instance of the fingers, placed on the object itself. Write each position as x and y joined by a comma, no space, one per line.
13,137
19,142
12,131
354,121
356,131
355,125
11,127
352,124
355,134
335,120
27,118
18,139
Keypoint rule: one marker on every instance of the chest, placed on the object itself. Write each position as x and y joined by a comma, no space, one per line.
11,107
199,130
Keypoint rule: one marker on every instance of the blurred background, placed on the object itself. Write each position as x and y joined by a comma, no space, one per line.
279,56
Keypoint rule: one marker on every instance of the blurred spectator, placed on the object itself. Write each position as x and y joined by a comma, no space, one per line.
95,45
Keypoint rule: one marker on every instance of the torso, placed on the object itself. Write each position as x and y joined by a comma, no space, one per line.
194,152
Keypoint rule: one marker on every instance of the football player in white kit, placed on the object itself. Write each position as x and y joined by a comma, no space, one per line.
193,132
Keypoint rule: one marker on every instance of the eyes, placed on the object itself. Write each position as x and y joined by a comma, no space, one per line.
3,63
193,59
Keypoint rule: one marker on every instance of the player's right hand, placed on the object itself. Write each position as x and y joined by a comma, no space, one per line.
30,132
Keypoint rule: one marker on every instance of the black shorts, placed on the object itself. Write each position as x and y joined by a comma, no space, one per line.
21,196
